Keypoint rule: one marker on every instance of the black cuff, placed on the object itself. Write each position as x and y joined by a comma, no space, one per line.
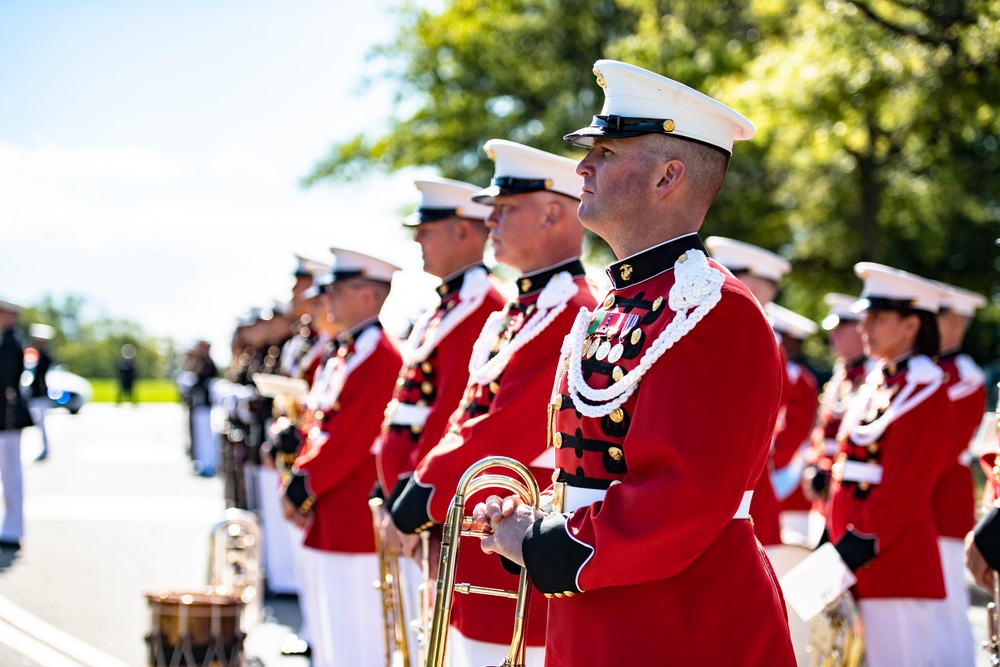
856,551
298,494
409,512
987,537
288,440
510,565
397,490
552,557
377,492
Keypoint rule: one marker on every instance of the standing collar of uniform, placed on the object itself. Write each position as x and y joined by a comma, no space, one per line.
896,366
529,283
347,337
652,261
856,362
947,355
453,282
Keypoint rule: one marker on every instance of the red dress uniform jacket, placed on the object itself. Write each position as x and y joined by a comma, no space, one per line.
637,574
335,470
953,500
434,378
884,530
800,398
504,417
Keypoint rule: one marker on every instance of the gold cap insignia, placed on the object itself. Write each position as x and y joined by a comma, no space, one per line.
525,284
548,183
668,125
626,271
600,79
491,155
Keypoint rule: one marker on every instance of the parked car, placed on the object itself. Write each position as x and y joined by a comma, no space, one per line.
66,390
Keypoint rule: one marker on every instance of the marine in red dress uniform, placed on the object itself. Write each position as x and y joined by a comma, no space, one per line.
894,443
647,531
335,469
511,370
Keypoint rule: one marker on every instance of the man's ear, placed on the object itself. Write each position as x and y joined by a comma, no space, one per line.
551,213
672,174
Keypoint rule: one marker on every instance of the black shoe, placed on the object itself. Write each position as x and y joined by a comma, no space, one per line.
10,545
295,646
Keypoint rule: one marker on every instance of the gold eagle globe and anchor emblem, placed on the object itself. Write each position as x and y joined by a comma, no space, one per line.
626,271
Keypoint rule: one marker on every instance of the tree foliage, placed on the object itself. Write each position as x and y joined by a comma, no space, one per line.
878,130
92,347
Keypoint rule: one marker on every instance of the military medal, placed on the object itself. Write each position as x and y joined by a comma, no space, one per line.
592,350
616,353
628,325
603,351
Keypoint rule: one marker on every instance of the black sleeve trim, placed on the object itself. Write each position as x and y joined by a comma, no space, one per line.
289,440
987,537
409,512
397,490
377,492
856,551
552,557
298,494
510,565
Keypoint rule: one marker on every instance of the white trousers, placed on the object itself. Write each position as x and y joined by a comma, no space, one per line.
900,631
464,652
954,643
13,486
784,557
203,445
344,610
302,580
279,566
38,407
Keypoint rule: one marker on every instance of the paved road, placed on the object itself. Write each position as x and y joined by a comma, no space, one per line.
115,513
112,514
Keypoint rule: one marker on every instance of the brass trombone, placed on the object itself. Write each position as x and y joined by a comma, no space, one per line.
459,525
397,650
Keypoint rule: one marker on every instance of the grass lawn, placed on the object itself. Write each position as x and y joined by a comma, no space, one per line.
145,391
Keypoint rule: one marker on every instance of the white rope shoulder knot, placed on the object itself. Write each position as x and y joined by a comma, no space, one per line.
697,289
550,304
920,371
475,286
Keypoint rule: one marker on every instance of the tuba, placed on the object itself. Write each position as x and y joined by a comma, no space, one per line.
235,560
459,525
837,637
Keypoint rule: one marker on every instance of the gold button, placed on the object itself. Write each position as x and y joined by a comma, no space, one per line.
426,367
494,386
609,301
636,336
427,388
872,448
549,595
683,258
558,402
336,406
863,486
529,310
617,415
617,374
416,429
615,453
559,595
421,403
442,290
668,125
657,303
569,594
557,439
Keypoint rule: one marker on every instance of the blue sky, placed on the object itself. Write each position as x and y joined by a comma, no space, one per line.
150,154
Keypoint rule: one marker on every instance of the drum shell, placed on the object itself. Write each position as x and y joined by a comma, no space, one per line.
195,629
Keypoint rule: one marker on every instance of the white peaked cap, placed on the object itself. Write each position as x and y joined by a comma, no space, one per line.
961,301
887,288
841,309
353,264
637,102
8,307
309,267
789,323
520,169
442,198
739,257
41,331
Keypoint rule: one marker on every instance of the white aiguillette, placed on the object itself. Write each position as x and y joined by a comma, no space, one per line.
272,386
816,582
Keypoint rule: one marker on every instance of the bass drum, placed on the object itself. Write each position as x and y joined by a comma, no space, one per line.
195,629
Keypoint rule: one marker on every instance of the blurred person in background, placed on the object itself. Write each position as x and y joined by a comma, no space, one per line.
202,372
126,374
15,417
38,361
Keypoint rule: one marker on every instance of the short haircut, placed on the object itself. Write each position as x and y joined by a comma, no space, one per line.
706,165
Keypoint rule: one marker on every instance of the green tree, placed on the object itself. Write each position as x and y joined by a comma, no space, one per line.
878,132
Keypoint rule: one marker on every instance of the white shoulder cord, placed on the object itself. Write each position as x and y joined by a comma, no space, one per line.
475,286
336,371
697,286
551,302
920,370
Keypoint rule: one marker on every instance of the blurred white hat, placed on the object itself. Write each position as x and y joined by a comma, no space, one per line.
961,301
740,257
353,264
789,323
442,198
520,169
8,307
306,267
41,331
840,306
637,102
887,288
